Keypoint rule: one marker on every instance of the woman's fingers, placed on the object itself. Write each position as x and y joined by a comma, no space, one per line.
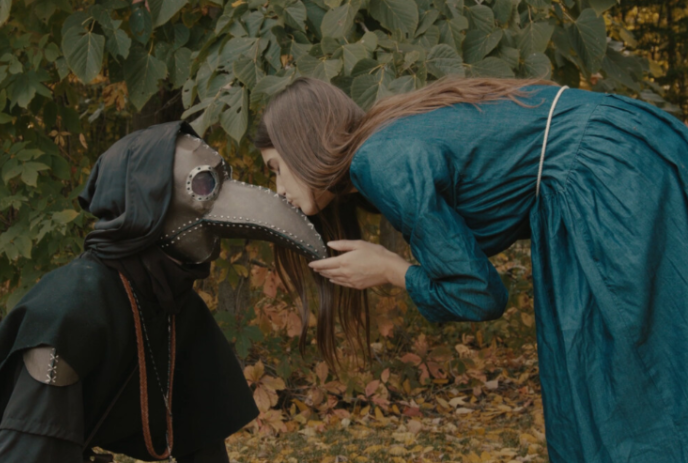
336,273
341,282
326,264
344,245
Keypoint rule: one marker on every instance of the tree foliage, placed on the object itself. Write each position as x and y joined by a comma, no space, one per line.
73,68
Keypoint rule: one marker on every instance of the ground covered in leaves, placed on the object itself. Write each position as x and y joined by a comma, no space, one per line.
498,422
452,392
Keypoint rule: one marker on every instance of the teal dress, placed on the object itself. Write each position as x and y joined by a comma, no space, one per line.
609,234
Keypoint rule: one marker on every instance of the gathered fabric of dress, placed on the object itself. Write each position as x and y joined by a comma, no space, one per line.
609,237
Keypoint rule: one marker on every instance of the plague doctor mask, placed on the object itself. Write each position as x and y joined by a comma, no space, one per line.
208,205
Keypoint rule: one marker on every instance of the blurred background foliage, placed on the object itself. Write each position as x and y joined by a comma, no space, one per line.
75,76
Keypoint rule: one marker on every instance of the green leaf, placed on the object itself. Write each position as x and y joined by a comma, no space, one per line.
428,19
23,245
394,15
79,18
479,43
5,118
622,69
269,85
403,84
62,68
538,65
162,10
247,71
450,32
510,55
317,68
61,168
367,89
600,6
430,38
83,51
64,217
338,22
589,39
539,3
365,66
369,40
30,172
181,36
482,18
443,60
28,154
234,119
534,38
209,117
180,66
247,46
118,43
502,10
24,89
295,15
490,67
52,52
11,169
5,7
103,17
140,23
352,54
142,73
253,23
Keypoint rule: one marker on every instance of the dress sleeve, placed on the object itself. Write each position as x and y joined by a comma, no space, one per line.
409,181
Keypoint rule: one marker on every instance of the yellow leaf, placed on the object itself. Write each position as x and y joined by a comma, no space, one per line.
373,449
321,371
294,325
407,386
82,139
378,415
262,398
473,458
527,438
414,426
527,319
397,450
384,377
276,384
442,402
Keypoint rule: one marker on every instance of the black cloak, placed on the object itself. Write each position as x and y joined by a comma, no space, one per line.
82,310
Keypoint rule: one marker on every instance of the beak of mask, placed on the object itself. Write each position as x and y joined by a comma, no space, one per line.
208,205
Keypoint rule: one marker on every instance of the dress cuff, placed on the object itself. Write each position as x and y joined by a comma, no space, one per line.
419,287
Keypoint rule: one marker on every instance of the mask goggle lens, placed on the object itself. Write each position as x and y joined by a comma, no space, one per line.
202,183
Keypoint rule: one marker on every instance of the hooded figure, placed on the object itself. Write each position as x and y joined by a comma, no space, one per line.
115,349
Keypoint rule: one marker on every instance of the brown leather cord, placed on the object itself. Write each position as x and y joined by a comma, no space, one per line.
144,379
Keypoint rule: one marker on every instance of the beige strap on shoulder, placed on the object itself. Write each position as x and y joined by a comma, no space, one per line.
46,366
544,142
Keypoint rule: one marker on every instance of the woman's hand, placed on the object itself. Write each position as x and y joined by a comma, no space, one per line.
364,265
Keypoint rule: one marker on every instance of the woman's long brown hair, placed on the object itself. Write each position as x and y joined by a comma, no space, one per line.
316,128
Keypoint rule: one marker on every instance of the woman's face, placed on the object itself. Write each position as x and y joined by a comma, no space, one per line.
296,192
